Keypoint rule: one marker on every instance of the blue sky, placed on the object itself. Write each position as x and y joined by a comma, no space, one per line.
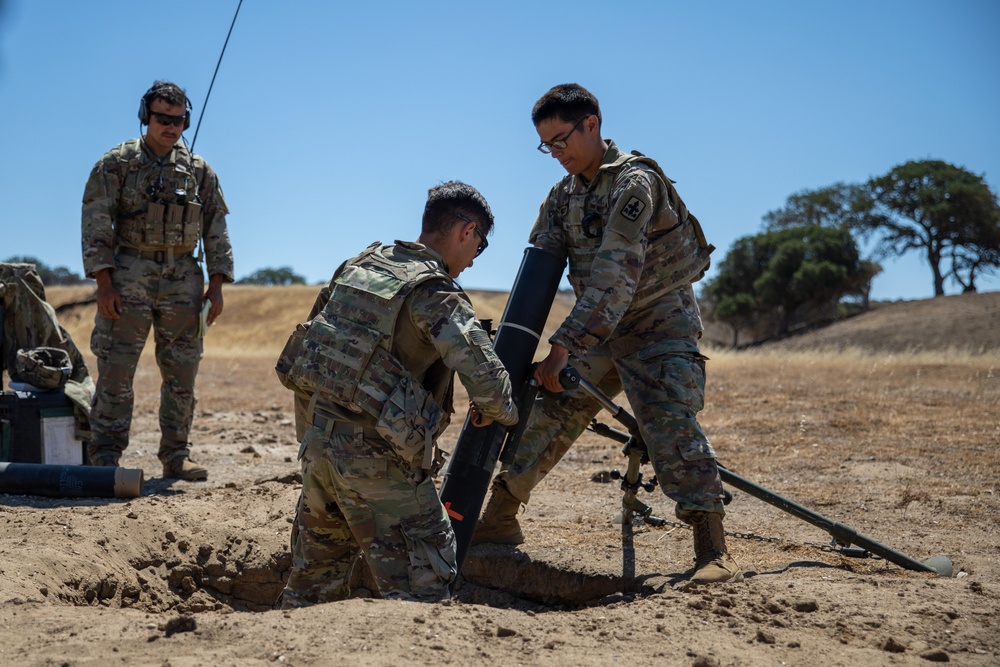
329,120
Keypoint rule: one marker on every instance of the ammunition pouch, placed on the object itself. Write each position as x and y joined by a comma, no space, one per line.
167,217
348,367
353,370
171,225
289,353
409,422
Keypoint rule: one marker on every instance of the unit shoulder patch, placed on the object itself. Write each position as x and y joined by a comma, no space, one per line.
633,208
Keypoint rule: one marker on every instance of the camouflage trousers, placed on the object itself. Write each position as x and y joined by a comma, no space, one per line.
168,299
360,500
665,391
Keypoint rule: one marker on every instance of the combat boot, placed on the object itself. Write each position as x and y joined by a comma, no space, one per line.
104,459
101,454
180,467
499,524
713,564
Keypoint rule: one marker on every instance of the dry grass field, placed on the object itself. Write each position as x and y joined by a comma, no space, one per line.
888,422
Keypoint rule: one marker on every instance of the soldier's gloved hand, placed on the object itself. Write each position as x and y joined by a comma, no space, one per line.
478,418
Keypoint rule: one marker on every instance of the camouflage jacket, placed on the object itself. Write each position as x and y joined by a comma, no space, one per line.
633,252
120,189
436,334
29,321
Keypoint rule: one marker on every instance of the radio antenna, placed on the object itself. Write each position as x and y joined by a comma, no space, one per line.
202,114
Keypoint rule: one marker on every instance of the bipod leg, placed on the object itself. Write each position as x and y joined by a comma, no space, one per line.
628,557
631,482
630,485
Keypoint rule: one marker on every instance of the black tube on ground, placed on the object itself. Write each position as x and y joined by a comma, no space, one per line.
59,481
467,479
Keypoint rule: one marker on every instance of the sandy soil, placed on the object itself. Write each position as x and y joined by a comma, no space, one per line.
904,451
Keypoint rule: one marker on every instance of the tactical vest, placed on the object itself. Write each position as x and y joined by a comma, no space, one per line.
158,205
345,353
677,253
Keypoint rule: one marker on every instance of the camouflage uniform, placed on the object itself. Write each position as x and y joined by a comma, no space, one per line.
635,326
143,217
30,322
364,494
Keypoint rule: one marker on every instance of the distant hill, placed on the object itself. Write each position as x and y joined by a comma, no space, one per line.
260,319
966,322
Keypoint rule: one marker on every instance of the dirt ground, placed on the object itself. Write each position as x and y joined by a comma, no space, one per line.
904,449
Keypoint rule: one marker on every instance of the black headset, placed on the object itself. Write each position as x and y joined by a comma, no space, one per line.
148,98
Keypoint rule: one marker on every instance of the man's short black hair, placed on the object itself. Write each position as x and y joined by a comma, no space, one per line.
448,201
167,91
568,102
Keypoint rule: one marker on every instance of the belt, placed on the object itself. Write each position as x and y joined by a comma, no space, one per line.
156,255
338,427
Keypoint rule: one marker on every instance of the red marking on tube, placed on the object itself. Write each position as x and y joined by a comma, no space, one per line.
452,513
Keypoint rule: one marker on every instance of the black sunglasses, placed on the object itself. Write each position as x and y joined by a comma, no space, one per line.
483,243
167,119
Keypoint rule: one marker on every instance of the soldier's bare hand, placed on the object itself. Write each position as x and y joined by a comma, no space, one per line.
214,292
479,420
547,371
109,301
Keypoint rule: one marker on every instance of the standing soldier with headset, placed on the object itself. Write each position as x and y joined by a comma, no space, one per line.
147,205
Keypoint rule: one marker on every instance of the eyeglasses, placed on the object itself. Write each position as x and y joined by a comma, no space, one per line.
483,243
547,146
167,119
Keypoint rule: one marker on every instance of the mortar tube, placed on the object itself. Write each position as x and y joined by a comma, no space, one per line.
62,481
477,451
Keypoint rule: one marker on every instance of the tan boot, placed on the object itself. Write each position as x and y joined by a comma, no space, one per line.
180,467
499,524
713,564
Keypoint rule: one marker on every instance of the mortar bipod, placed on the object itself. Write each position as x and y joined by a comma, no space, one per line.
631,482
634,450
842,534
